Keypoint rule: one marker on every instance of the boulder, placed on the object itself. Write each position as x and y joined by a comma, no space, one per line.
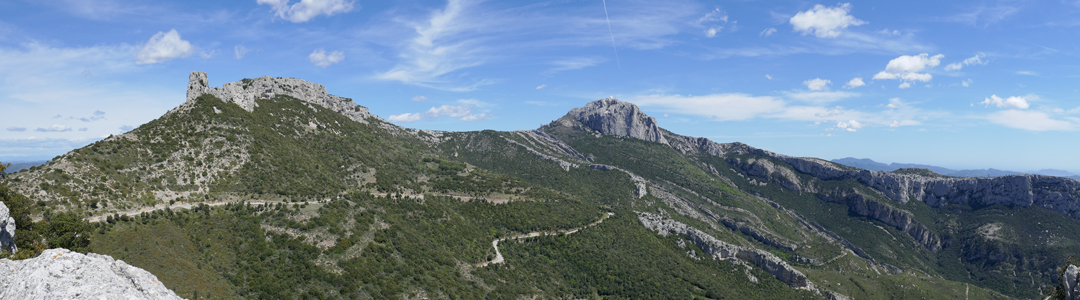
7,229
65,274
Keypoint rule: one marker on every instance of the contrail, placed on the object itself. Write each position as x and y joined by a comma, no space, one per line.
612,35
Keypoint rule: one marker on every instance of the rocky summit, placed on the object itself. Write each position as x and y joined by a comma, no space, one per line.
245,92
613,117
64,274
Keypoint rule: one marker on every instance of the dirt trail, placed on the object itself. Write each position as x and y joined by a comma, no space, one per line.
495,243
186,205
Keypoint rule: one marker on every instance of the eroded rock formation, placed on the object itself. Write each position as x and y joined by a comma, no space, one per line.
245,92
64,274
610,116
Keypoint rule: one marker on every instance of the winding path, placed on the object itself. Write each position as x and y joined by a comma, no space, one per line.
495,243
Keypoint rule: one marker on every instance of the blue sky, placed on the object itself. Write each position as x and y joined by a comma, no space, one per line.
959,84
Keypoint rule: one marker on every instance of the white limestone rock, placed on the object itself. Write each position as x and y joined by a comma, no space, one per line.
613,117
1072,282
7,229
64,274
245,92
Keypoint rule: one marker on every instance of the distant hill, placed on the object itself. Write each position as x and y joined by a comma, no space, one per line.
869,164
24,165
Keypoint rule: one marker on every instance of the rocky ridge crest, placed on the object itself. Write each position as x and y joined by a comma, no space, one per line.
610,116
245,92
64,274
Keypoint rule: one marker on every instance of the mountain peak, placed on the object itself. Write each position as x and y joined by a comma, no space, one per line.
245,92
613,117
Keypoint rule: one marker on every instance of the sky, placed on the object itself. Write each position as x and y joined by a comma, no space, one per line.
957,84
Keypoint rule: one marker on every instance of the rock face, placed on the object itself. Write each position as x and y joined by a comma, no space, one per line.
7,229
1071,281
613,117
63,274
1053,193
720,250
245,92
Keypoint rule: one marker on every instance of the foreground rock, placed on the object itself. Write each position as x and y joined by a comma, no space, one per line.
64,274
7,229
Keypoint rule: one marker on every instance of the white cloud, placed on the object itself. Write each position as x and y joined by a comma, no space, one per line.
1011,102
541,86
164,46
906,68
714,16
16,128
54,128
573,64
476,117
1028,73
850,126
886,31
854,83
208,55
1029,120
405,118
419,98
767,76
322,59
306,10
817,84
966,82
905,85
974,60
820,97
768,31
240,51
711,32
448,110
720,107
824,22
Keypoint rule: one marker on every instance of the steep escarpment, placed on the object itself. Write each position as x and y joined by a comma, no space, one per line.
1054,193
245,92
718,249
64,274
613,117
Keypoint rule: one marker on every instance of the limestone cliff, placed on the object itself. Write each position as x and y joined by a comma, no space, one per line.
63,274
613,117
721,250
245,92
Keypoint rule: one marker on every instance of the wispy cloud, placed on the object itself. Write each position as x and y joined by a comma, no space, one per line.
465,111
54,128
441,48
305,10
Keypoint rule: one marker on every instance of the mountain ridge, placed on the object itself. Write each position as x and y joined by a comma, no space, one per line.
381,198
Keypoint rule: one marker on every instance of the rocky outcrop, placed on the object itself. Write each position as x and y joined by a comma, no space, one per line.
718,249
245,92
63,274
7,230
897,218
1054,193
613,117
1071,281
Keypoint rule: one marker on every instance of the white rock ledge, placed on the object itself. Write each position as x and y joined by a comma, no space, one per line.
65,274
